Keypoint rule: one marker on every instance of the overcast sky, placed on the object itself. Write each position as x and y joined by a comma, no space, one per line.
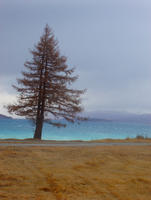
109,43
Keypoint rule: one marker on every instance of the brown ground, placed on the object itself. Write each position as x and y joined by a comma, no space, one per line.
75,173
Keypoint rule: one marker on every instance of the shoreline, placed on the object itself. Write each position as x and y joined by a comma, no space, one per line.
107,140
76,143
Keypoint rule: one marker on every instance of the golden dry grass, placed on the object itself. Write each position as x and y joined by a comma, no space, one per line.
75,173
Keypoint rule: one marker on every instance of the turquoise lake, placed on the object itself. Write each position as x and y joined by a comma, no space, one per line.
86,130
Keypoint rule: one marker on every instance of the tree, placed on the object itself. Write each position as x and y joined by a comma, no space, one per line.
45,91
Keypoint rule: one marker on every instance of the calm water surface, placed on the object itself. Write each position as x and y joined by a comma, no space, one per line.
87,130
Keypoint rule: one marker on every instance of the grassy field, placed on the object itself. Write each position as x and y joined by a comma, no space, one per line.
75,173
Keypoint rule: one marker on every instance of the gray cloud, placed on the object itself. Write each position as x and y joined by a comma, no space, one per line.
109,42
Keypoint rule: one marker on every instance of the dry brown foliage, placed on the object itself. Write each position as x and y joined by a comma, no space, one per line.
75,173
44,91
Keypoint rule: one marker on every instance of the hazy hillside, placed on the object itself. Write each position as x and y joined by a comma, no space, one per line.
120,116
4,117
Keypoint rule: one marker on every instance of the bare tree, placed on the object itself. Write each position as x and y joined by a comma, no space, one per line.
45,91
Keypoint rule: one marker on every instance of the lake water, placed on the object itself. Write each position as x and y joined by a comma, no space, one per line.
87,130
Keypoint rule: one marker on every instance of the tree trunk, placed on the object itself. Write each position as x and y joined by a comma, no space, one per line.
38,130
41,106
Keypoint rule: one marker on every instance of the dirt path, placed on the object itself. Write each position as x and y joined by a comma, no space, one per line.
75,144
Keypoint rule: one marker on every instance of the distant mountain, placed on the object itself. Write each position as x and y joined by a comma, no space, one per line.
98,120
120,116
4,117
